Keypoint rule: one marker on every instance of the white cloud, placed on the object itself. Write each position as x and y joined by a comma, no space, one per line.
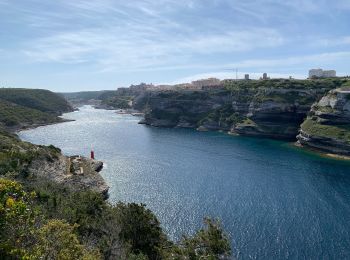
140,47
331,42
118,36
287,62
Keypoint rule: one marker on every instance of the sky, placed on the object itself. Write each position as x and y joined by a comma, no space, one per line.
74,45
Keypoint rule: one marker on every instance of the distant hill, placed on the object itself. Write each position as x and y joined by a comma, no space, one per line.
39,99
20,108
87,95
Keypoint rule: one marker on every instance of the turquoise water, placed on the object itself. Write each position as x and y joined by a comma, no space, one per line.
276,201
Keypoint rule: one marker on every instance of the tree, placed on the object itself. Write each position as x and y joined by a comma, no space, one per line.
208,243
141,229
57,240
17,220
21,236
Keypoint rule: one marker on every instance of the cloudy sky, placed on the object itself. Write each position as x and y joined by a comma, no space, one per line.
71,45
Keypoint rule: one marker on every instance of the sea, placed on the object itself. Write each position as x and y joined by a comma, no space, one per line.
274,200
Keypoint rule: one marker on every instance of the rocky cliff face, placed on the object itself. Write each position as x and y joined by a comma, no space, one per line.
33,163
277,113
270,110
181,108
327,127
73,174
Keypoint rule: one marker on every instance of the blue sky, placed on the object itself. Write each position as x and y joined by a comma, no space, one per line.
72,45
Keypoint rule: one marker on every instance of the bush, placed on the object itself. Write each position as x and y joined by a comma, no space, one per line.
141,229
19,233
208,243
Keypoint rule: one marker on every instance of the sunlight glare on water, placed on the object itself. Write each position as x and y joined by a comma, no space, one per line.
275,201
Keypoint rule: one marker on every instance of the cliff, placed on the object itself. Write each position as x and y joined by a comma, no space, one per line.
33,163
61,171
269,108
314,112
327,127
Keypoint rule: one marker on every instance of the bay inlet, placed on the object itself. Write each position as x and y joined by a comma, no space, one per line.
275,201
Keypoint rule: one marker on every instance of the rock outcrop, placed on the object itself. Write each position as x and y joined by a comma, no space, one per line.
77,173
327,127
273,109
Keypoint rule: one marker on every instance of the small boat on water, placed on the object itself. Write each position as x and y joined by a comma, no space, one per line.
122,112
137,114
129,112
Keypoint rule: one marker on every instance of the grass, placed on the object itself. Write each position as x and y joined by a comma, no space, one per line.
287,84
249,122
290,97
340,132
325,109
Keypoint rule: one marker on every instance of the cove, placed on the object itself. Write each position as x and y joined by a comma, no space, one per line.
274,200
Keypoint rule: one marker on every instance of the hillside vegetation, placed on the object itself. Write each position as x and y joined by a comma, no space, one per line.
26,107
295,84
83,95
39,99
40,219
327,126
43,219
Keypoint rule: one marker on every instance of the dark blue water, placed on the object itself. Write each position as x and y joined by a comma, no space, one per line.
276,201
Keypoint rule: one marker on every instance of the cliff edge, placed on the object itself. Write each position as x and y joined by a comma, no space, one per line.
327,127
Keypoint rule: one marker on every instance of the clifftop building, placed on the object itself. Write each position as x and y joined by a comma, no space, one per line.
264,77
320,73
211,82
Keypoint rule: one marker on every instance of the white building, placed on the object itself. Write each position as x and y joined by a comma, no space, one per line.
329,73
320,73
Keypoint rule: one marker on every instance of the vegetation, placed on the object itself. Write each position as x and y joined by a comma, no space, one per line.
20,237
43,220
88,95
39,99
16,156
225,116
121,102
329,84
292,97
12,115
340,132
24,107
346,85
209,243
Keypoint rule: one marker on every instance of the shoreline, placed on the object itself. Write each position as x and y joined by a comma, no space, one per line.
89,176
321,153
16,130
294,143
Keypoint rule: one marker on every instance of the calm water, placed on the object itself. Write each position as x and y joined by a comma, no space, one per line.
276,201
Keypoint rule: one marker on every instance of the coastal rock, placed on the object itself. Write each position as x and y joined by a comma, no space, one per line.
326,144
327,127
76,173
268,112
